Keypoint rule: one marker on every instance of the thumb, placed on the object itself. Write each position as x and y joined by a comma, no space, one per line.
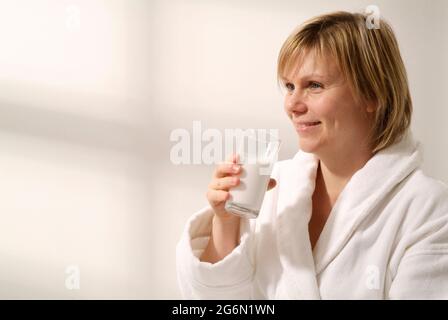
272,184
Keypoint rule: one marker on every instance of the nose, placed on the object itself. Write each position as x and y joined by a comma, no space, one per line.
295,104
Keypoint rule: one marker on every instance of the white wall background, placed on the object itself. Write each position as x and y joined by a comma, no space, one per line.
86,111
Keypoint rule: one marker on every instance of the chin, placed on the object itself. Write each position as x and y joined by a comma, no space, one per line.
308,146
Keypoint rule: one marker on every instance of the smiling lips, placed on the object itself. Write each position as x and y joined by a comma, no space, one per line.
303,126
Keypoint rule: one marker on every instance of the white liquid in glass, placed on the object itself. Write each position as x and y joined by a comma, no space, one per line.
247,198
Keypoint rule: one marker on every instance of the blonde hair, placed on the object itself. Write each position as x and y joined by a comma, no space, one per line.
368,58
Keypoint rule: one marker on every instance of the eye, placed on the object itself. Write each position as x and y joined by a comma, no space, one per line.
315,85
289,86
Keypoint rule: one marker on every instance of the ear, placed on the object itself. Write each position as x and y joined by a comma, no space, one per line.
371,106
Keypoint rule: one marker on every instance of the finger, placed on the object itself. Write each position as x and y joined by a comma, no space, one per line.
225,169
224,183
216,197
233,158
236,158
272,184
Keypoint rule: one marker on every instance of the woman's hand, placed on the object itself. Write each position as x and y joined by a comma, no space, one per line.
225,225
225,177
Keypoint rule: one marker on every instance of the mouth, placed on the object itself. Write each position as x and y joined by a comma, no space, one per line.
306,126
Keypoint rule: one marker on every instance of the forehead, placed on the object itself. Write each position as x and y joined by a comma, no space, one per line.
311,65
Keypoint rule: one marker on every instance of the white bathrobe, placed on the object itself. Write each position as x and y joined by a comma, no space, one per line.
386,237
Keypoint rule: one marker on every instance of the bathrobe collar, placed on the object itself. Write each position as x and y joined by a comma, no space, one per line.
367,187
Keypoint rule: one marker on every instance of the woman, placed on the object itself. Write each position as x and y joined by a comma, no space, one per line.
351,216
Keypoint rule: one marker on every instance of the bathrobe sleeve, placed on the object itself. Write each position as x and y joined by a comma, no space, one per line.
228,278
423,270
422,275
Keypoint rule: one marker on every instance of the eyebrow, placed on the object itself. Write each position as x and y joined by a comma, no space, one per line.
308,76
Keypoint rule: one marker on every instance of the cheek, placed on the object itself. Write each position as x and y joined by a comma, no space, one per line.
323,107
343,118
286,106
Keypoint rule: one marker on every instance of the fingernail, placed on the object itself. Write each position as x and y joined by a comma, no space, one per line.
235,168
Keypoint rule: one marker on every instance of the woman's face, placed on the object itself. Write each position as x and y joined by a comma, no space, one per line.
323,110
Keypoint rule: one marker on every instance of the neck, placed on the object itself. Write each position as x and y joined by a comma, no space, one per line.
334,172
